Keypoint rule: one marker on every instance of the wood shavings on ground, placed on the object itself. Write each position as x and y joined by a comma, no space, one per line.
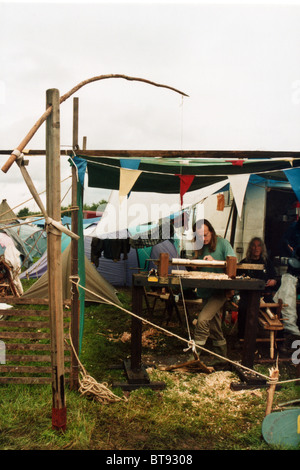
149,338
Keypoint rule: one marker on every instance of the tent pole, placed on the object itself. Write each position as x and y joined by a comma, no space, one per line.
59,413
74,377
233,224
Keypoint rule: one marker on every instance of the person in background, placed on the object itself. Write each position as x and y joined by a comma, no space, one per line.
209,246
290,240
256,254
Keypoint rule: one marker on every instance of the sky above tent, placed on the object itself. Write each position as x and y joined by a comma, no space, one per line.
238,62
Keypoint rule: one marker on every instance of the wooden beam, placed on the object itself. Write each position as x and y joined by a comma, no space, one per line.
54,258
169,153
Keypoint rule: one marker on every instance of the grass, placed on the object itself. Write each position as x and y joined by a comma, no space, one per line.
195,411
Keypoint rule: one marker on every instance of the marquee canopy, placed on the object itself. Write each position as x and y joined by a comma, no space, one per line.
165,175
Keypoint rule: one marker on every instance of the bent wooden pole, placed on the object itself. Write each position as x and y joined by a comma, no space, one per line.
63,98
54,257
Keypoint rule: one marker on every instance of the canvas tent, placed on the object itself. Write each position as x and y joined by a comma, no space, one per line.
6,213
34,238
93,282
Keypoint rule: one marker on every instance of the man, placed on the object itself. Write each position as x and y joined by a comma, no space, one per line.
209,246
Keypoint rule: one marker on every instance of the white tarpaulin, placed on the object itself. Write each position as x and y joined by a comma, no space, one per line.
141,208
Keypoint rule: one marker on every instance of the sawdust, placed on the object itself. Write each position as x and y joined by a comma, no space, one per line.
150,338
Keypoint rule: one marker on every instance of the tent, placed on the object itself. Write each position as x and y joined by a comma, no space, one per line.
34,238
115,273
93,281
6,213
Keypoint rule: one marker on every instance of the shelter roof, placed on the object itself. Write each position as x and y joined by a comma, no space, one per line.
160,174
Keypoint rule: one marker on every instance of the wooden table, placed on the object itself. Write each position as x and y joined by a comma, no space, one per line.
252,287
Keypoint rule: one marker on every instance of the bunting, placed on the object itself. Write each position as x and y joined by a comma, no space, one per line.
80,167
293,176
129,173
185,183
127,181
238,185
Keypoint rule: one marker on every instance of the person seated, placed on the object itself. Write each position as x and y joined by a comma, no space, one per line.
256,254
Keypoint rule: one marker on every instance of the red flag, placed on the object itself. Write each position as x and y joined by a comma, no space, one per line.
185,183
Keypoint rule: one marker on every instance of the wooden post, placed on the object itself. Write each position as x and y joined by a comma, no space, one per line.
136,328
251,328
233,224
75,309
274,374
59,413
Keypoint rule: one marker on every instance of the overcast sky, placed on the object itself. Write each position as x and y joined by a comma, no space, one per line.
239,63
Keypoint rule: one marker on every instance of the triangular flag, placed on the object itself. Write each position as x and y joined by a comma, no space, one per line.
127,180
293,176
185,183
80,167
238,185
132,163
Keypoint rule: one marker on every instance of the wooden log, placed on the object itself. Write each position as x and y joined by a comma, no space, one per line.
55,261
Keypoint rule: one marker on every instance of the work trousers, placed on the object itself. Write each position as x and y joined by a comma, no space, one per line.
209,323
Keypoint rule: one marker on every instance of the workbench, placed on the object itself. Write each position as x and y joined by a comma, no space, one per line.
253,288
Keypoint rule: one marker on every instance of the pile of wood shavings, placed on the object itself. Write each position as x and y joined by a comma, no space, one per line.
149,338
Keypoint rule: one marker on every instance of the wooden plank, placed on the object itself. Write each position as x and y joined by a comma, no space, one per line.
176,153
30,358
23,335
31,347
27,369
21,301
25,380
28,313
27,324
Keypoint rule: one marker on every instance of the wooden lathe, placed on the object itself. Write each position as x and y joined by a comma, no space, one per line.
136,374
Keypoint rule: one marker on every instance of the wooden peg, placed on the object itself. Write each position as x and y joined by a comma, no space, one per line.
231,263
163,265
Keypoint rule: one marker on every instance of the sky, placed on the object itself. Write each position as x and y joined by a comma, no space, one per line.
239,62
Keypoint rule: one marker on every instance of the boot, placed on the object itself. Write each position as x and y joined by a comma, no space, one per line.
221,351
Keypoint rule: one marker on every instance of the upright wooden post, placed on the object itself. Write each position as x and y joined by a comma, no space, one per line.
75,310
59,412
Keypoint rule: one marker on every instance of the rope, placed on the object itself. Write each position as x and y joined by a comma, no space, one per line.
89,387
189,342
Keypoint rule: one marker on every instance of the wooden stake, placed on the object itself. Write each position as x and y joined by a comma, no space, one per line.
274,374
54,257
